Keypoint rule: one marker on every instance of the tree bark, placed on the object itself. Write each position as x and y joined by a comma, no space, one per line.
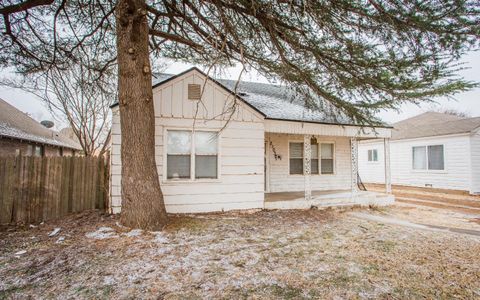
142,198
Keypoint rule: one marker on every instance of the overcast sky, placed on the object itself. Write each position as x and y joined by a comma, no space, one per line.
467,102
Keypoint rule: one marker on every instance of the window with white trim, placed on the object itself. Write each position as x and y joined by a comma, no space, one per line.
314,159
322,158
429,157
373,155
206,154
189,157
296,158
327,158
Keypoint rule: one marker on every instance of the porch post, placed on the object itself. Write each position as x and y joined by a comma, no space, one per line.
354,161
388,179
307,157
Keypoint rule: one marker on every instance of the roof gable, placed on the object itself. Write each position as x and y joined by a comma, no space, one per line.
272,101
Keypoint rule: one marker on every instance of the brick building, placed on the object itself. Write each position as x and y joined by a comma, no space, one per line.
19,133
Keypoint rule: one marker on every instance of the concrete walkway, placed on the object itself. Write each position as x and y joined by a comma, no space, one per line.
395,221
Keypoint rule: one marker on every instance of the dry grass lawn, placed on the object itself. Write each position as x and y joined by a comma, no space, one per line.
270,254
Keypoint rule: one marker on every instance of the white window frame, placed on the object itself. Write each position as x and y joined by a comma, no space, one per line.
334,158
319,142
192,178
368,156
427,170
303,157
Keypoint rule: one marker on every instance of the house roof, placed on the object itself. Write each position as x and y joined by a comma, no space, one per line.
17,125
433,124
273,101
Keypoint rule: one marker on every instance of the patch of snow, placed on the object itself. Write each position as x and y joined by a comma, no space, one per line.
120,225
102,233
134,232
21,252
54,232
161,238
13,132
109,280
60,240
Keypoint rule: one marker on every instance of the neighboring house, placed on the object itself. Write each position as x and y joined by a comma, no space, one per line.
21,134
430,150
272,153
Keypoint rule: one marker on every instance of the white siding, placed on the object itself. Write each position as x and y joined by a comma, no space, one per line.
241,149
372,172
475,162
279,176
456,175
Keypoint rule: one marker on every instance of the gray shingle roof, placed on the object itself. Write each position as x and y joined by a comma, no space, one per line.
275,102
17,125
433,124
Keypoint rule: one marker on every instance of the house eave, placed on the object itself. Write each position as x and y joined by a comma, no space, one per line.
325,129
329,123
31,141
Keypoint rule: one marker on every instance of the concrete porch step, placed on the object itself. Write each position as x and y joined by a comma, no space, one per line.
332,200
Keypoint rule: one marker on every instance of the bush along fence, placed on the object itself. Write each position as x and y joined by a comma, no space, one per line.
36,189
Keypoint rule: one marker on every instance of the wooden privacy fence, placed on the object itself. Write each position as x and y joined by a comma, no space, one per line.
34,189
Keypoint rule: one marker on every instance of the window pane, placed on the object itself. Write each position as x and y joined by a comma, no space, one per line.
327,166
206,166
296,150
178,166
314,167
38,150
179,142
205,142
369,155
296,166
435,157
419,158
327,151
314,154
375,155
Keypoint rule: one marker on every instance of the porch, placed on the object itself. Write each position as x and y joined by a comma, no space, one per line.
329,198
317,165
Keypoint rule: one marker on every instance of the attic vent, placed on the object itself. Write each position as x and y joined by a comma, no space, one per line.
194,92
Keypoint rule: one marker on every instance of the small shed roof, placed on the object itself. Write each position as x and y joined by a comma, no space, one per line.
433,124
16,124
276,102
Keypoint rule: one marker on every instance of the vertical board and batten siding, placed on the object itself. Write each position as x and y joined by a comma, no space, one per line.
280,180
241,148
475,161
457,159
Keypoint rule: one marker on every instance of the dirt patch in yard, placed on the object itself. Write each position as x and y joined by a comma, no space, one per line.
264,255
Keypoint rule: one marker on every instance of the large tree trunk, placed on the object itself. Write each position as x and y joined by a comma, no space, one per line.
142,199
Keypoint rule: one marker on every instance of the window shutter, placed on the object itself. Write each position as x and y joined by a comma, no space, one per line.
194,92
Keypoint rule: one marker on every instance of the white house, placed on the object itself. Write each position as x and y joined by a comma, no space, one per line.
258,148
430,150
